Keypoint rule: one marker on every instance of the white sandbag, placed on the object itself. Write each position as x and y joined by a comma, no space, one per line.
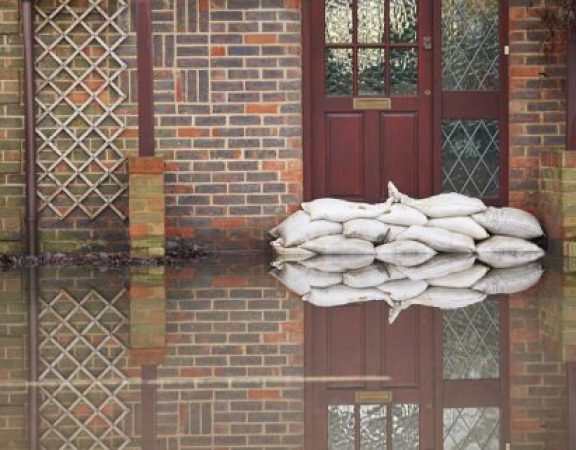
339,244
370,276
342,295
299,228
404,289
403,215
442,205
511,280
290,252
462,225
463,279
338,263
395,272
509,222
404,253
368,229
395,231
448,298
439,239
439,266
504,251
337,210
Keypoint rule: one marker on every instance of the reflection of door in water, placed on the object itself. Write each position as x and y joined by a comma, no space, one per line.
381,52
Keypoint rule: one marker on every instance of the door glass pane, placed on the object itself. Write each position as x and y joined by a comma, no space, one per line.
470,45
404,71
373,427
339,71
403,20
338,17
372,71
472,342
370,21
471,428
341,427
471,157
405,426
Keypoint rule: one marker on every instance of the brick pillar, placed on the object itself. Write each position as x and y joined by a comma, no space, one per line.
147,315
146,207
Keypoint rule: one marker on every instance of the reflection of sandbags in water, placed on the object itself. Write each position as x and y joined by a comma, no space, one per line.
338,210
404,289
339,245
296,253
511,280
505,251
448,298
403,215
510,222
439,239
462,279
338,263
462,225
299,228
439,266
370,276
301,279
442,205
342,295
395,231
404,253
367,229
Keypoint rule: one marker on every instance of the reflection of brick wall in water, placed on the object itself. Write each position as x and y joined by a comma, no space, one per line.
232,336
230,378
537,371
14,364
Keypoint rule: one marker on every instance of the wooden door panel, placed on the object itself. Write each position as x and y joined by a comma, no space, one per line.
399,152
400,350
345,337
345,155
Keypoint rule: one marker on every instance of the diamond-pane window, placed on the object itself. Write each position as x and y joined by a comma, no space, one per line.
471,428
471,157
472,342
470,45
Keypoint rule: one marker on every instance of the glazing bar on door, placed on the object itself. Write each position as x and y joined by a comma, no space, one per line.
372,103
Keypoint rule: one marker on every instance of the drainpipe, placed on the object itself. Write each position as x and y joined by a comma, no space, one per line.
29,123
571,87
145,77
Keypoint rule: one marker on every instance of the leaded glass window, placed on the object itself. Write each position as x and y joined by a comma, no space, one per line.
471,157
471,428
371,47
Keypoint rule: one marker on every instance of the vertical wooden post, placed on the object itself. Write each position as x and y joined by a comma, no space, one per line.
145,77
571,88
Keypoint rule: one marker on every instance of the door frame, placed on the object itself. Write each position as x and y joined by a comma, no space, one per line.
437,110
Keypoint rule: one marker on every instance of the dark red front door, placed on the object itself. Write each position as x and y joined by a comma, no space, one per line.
371,98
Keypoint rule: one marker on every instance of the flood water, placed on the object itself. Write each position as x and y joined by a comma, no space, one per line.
221,355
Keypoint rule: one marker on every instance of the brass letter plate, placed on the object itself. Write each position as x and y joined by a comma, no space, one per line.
373,397
372,103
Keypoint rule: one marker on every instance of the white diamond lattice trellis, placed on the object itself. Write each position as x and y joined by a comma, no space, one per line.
80,382
77,96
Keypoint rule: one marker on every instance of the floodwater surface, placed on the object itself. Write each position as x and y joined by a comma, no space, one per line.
220,354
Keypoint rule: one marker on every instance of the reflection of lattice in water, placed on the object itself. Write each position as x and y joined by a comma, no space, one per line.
80,381
77,95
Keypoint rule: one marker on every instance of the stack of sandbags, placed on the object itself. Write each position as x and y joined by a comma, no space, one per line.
408,231
445,281
447,250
